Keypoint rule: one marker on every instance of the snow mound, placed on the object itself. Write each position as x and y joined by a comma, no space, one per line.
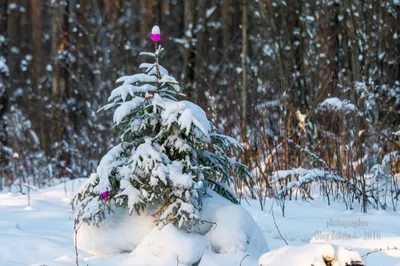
310,254
229,231
230,228
173,243
118,233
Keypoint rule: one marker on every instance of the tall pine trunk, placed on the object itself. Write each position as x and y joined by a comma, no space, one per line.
3,88
60,84
38,73
189,57
244,71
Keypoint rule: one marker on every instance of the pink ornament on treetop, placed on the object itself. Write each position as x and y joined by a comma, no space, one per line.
155,34
105,195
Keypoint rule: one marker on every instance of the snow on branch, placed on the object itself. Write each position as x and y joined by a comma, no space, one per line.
337,105
390,157
304,176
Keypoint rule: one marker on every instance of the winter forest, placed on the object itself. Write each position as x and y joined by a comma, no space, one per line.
229,125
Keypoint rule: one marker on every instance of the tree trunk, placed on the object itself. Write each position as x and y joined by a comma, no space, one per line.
244,71
189,49
3,86
147,19
60,83
38,73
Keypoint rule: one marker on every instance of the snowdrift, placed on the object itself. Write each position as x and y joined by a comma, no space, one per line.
119,233
227,230
311,254
230,228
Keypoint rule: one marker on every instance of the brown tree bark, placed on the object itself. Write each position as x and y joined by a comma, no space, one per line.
244,71
3,86
60,80
112,7
189,56
226,24
37,73
147,18
15,39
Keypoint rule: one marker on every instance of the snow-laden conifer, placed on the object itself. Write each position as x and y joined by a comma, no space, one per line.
168,153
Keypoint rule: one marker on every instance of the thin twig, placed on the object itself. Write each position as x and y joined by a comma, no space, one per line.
76,228
243,259
277,228
247,201
379,250
204,221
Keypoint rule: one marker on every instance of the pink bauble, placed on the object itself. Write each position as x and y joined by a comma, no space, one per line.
105,195
156,37
155,34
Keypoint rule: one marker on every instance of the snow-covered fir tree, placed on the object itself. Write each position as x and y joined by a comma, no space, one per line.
169,153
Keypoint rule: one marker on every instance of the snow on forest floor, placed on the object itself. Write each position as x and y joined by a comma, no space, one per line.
43,234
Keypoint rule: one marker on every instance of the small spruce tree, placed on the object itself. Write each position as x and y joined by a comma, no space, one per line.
167,156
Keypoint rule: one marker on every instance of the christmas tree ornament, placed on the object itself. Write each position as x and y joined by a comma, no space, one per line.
105,195
156,34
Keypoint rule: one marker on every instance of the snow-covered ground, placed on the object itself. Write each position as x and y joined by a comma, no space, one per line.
43,233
